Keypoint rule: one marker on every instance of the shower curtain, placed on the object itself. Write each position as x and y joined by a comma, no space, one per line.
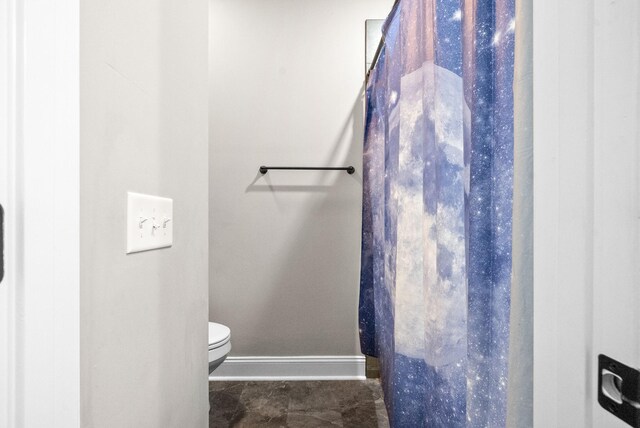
437,212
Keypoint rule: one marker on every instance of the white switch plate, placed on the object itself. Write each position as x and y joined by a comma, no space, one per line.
149,222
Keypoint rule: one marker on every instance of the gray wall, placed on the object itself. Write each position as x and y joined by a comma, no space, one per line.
144,129
286,89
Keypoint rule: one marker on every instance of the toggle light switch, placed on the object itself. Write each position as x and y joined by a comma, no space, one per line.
149,224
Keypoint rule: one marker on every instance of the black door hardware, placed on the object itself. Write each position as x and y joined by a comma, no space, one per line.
619,390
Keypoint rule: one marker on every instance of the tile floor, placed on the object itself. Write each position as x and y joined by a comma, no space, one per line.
297,404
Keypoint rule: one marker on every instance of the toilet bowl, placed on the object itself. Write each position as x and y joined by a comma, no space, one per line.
219,344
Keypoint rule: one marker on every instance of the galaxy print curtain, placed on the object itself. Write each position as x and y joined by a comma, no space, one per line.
436,239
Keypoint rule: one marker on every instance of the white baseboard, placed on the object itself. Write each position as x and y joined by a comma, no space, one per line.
291,368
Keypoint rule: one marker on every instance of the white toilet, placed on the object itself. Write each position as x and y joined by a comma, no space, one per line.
219,344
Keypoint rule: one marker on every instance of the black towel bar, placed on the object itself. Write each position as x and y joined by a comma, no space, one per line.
349,169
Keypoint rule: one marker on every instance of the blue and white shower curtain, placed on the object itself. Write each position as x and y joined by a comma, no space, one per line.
436,241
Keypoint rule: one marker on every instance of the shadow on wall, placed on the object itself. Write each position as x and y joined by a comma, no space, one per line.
356,120
318,263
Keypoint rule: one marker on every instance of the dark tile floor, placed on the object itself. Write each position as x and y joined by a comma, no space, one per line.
297,404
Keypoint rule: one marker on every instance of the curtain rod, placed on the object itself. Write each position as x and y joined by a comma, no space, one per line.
382,40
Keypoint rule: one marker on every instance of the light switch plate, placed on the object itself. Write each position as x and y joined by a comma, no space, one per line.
149,222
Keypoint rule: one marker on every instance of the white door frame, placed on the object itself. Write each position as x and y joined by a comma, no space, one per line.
39,299
8,201
586,62
563,212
